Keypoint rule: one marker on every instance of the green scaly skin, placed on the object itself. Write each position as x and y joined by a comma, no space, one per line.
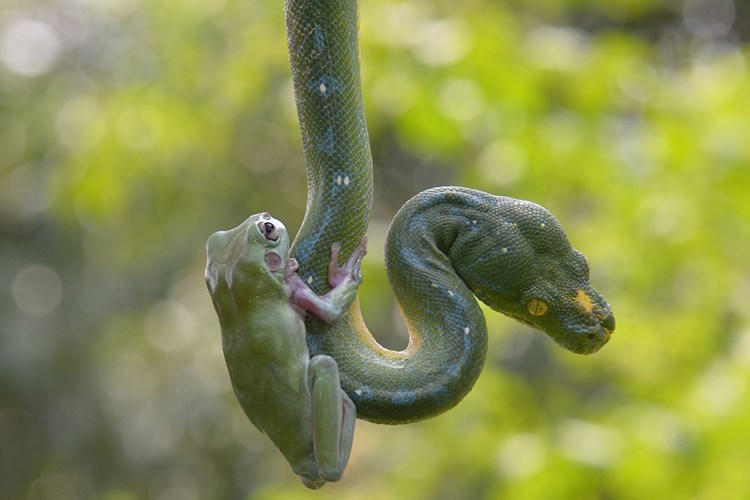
444,246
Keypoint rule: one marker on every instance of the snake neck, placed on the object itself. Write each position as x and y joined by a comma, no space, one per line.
322,36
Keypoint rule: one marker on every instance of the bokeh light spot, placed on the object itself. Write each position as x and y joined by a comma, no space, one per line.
29,48
37,290
74,123
589,443
709,18
138,128
439,43
521,455
557,48
717,392
461,100
502,163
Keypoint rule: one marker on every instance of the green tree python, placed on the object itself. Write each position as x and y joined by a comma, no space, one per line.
445,246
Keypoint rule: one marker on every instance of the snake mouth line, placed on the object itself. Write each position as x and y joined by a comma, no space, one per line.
607,337
522,320
607,334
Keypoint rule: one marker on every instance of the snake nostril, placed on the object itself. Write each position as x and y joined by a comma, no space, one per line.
609,322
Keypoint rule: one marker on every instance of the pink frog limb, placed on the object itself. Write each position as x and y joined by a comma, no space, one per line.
344,282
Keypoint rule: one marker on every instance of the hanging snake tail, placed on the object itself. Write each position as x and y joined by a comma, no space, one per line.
445,246
324,53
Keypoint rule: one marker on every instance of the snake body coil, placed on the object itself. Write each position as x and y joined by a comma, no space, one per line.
445,246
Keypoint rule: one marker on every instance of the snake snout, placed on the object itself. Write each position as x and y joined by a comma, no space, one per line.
595,341
609,323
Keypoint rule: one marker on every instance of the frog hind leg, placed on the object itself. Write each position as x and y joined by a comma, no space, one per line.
333,416
347,428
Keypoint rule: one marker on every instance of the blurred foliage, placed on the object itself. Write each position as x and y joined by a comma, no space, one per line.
130,130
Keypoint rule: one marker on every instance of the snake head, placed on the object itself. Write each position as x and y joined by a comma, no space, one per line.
524,266
561,302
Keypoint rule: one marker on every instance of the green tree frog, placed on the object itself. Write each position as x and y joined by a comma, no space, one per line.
261,302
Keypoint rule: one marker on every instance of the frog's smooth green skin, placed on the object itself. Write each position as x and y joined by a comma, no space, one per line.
260,301
444,246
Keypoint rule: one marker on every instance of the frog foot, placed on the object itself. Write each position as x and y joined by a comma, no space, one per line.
351,270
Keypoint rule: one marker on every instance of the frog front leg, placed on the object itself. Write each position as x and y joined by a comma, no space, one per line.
333,416
344,281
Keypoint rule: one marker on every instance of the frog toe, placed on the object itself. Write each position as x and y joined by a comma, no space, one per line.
313,484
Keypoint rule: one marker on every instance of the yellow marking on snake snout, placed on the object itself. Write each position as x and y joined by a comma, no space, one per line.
584,301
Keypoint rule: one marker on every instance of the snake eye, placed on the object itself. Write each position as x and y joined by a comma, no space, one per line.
268,230
537,307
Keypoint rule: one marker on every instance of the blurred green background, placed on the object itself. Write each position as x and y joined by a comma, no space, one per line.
130,130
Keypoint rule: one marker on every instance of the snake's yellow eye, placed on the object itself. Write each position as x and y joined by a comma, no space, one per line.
537,307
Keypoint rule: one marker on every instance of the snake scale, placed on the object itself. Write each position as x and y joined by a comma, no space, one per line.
444,247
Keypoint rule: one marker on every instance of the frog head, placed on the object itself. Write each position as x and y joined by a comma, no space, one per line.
248,258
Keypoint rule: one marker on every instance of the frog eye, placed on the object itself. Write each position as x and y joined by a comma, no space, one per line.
268,230
537,307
